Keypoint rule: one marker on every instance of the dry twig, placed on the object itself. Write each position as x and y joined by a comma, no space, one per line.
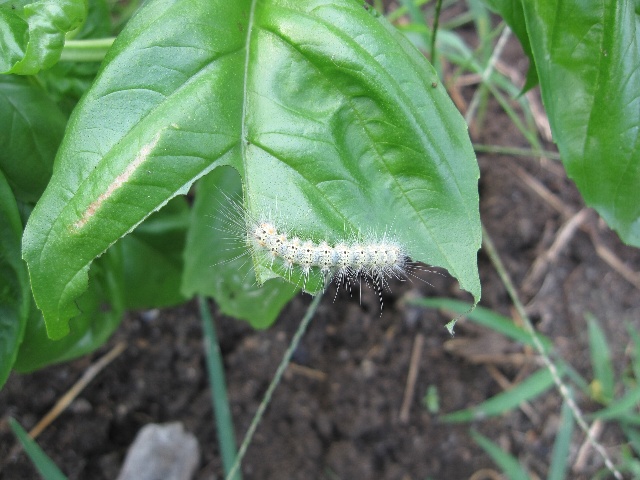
307,372
89,374
506,385
414,367
583,453
553,370
602,251
543,192
543,261
612,259
62,404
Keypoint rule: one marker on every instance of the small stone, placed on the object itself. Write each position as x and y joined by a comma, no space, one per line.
150,315
81,405
164,452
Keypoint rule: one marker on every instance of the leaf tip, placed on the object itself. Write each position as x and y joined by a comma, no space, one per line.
57,329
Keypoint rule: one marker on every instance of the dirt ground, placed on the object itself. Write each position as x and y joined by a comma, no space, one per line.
336,414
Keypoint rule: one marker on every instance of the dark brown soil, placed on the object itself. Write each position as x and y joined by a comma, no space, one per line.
336,413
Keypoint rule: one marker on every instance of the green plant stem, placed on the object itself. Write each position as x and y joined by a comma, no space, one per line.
91,50
436,21
219,398
523,152
491,251
274,383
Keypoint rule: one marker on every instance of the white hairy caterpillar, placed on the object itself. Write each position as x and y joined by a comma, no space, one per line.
356,258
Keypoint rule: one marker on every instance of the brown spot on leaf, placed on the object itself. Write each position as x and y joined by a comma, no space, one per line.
119,181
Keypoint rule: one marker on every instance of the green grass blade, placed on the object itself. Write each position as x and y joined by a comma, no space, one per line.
635,338
629,464
417,17
633,436
529,132
528,389
453,47
431,400
485,317
560,455
224,422
482,21
500,324
622,409
603,381
484,51
508,464
41,461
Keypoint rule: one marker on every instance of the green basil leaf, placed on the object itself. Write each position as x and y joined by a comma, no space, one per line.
331,117
15,292
13,28
101,309
31,129
33,33
67,81
152,257
98,21
587,55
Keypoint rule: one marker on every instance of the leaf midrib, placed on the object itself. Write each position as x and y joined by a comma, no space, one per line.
243,117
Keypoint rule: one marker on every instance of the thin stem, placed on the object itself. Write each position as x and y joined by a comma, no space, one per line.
531,136
491,251
436,21
274,383
219,398
523,152
91,50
